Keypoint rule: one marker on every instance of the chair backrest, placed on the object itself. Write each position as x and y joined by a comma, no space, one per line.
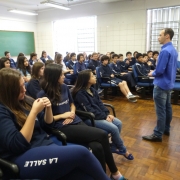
98,75
135,73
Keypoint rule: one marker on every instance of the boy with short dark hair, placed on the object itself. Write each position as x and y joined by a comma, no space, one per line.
129,60
12,62
140,68
106,71
123,65
121,75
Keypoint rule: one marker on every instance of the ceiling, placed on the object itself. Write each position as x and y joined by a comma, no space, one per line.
35,4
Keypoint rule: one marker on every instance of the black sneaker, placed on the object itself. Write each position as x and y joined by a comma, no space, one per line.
152,137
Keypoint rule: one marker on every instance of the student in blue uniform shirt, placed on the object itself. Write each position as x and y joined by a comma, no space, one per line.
129,60
12,62
147,63
153,61
4,63
44,57
33,86
124,66
86,98
80,66
33,58
106,71
24,68
24,142
116,68
72,61
69,123
93,63
141,69
150,54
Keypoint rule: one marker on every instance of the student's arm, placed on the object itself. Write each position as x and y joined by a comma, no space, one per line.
84,104
162,63
48,117
28,128
139,70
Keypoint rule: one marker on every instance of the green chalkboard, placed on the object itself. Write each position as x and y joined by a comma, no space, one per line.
16,42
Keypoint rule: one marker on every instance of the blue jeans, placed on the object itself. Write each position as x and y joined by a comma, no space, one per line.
114,128
162,99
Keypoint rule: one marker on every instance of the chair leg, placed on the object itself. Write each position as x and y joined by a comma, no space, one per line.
176,97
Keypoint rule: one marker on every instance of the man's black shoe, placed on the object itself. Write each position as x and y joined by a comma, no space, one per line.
167,133
152,138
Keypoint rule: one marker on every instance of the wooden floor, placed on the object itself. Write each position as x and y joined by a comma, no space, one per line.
153,160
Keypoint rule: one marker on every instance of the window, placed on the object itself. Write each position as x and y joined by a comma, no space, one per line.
75,35
157,19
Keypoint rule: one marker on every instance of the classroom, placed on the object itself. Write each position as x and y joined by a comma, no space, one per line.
90,89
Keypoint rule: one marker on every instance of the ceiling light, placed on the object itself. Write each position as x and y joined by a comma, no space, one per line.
55,5
23,12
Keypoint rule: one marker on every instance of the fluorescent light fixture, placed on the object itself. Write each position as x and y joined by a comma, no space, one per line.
55,5
23,12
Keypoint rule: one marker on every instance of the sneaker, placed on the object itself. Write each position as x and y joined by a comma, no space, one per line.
132,100
121,178
152,137
132,97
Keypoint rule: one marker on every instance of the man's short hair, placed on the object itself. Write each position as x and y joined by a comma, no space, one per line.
6,52
138,55
115,55
170,32
128,53
104,57
155,52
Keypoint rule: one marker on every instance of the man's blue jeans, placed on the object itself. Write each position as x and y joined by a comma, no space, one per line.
113,128
162,99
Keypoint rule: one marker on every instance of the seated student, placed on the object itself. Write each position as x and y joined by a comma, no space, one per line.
33,86
59,60
80,66
129,60
134,56
20,54
69,73
85,56
69,123
124,66
72,61
108,54
106,71
141,69
94,62
89,57
116,68
24,68
44,57
49,62
4,63
152,62
147,63
86,98
149,53
33,58
23,142
67,57
12,62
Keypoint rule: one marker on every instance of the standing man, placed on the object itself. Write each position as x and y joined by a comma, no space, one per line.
165,74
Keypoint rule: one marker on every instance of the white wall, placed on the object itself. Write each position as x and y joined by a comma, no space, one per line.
14,22
121,26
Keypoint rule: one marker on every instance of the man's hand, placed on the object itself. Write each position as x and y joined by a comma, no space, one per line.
112,75
110,118
67,121
150,74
